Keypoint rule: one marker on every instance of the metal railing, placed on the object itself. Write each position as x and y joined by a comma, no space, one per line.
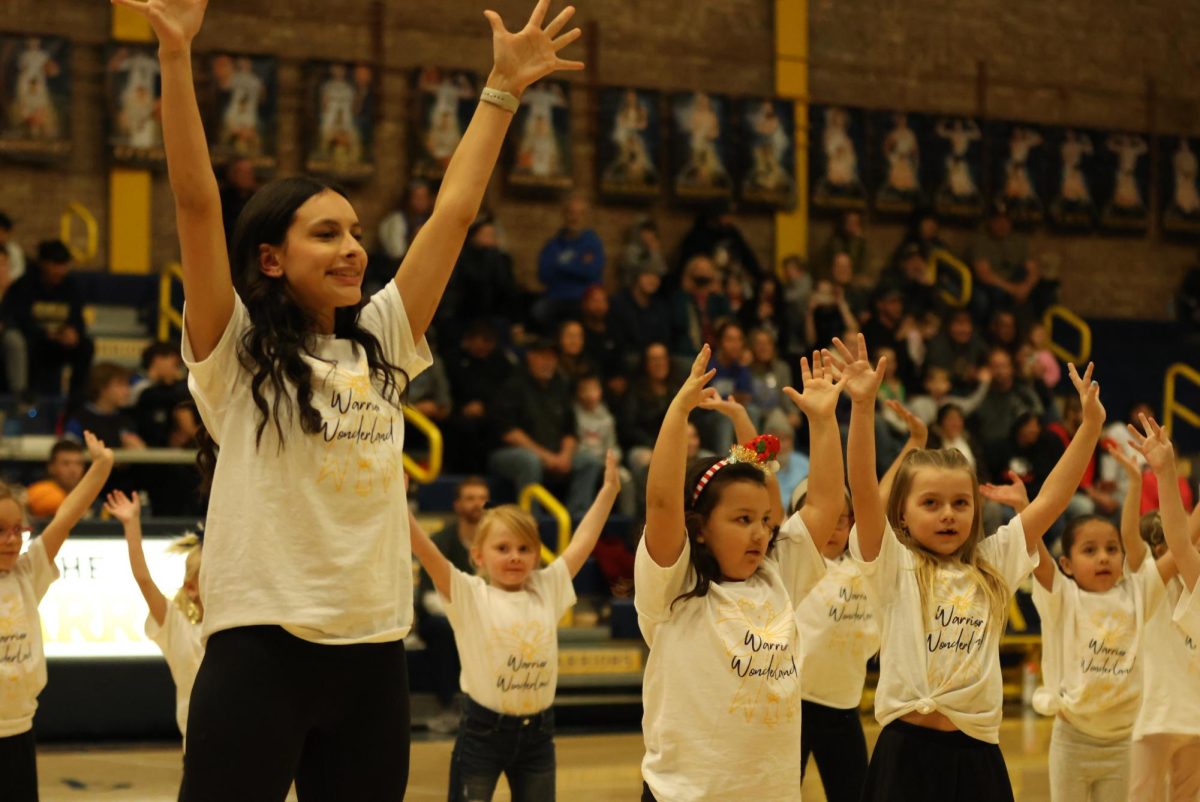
424,474
168,315
91,232
1172,408
1080,357
941,256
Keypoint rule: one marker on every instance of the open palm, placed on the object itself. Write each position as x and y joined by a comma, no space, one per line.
860,379
821,392
1153,443
1015,494
694,390
175,22
521,58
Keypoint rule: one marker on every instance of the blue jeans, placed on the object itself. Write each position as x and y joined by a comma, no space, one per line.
522,747
523,468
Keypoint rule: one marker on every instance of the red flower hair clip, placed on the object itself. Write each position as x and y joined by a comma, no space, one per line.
761,452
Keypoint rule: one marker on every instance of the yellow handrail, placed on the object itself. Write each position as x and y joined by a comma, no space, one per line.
168,315
1171,406
76,210
1084,353
557,511
424,474
944,257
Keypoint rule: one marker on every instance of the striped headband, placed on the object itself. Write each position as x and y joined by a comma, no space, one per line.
759,452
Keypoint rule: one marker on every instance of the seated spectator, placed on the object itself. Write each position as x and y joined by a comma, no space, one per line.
768,376
854,291
44,330
644,407
239,185
796,291
600,339
1002,331
949,430
924,231
1008,400
396,232
64,470
641,254
715,235
732,379
16,256
429,392
766,312
536,427
937,395
103,414
887,326
596,429
1034,452
1113,478
174,490
570,262
573,362
454,542
847,238
911,276
640,316
477,371
696,308
162,389
1043,364
958,350
482,286
1005,274
828,316
793,465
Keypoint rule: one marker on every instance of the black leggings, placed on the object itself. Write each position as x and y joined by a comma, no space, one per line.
835,739
916,764
268,707
18,768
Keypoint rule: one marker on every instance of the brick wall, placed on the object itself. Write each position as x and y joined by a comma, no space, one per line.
1074,61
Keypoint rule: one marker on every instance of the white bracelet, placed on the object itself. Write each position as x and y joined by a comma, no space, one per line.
504,100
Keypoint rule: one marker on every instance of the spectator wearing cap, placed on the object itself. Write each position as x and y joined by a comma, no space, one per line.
639,315
535,420
570,262
1004,273
44,330
641,253
482,286
696,307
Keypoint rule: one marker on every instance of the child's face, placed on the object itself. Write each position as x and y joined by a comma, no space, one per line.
733,342
116,392
940,509
1096,559
66,469
937,383
588,394
763,345
506,560
570,341
841,535
166,369
12,529
736,531
953,424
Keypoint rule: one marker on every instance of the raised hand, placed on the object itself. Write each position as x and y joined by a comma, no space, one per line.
1131,468
521,58
96,448
917,430
861,381
1155,444
175,22
1014,494
821,391
122,507
694,390
612,471
729,406
1089,394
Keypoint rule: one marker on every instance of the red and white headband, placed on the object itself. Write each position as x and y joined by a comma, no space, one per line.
759,452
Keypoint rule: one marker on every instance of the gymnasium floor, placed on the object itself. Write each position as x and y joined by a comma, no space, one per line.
591,768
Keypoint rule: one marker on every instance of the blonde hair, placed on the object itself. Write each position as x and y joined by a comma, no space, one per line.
15,494
946,459
511,518
191,546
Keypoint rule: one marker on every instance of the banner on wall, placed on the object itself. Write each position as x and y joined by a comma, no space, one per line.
836,150
955,158
541,155
702,146
627,145
445,103
767,150
1017,165
341,102
35,88
898,177
1180,188
134,94
1073,171
1123,167
242,111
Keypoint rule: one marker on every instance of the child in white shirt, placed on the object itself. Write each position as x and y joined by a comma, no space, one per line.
942,590
506,630
716,586
24,580
175,625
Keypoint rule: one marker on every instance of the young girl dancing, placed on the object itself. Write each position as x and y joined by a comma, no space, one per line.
307,581
941,590
716,587
506,631
173,625
24,580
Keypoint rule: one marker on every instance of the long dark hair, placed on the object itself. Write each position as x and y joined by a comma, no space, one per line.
695,515
281,331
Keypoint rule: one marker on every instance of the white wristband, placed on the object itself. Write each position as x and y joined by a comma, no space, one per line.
504,100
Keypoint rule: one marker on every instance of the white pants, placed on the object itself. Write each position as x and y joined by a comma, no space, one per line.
1159,756
1086,769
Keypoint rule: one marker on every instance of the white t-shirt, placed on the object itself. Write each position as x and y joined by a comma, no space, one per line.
180,642
1171,674
722,686
22,661
1187,614
311,534
508,640
1094,676
946,659
840,635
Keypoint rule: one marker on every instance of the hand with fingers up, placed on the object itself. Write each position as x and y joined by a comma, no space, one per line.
1089,395
695,390
918,431
1014,494
821,391
1153,443
175,22
522,58
860,379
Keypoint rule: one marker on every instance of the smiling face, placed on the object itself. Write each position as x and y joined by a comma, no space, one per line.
1094,558
12,529
737,530
507,559
939,509
322,258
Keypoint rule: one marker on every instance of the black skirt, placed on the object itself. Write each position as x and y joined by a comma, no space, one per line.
917,764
